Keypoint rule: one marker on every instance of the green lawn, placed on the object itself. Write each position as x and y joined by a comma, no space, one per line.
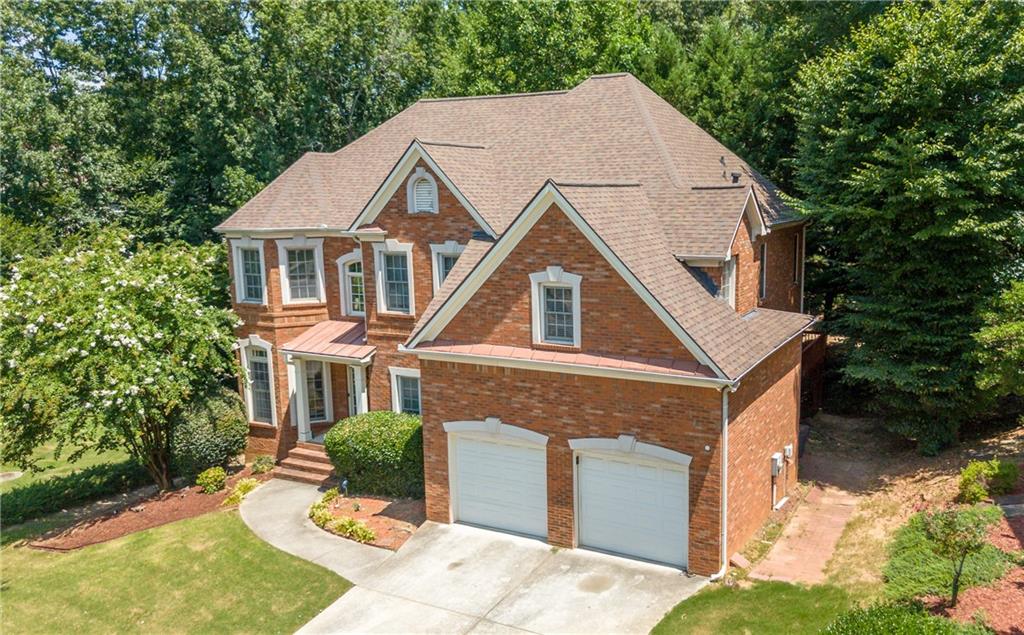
53,468
763,608
206,574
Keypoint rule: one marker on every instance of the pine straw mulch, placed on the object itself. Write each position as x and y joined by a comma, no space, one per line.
393,520
156,510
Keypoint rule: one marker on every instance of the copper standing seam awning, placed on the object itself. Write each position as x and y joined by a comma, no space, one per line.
334,340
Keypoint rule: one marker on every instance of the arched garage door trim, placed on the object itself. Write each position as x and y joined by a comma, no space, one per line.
627,444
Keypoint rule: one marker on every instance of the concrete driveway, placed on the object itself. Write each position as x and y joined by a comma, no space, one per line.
459,579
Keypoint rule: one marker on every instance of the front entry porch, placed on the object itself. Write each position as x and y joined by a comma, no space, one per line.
327,376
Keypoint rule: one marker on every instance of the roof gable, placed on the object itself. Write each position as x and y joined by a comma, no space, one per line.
438,317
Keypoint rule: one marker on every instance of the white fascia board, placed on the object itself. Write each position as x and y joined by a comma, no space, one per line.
567,369
548,195
397,176
334,359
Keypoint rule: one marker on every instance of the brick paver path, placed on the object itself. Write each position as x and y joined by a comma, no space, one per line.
809,539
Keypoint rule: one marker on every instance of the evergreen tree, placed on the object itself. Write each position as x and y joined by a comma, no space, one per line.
910,150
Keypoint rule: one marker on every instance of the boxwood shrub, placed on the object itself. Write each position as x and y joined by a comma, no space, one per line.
209,432
379,453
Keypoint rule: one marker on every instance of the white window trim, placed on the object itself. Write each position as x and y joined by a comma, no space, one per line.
448,248
257,341
410,187
301,242
356,255
398,371
328,397
237,245
729,281
762,274
554,276
391,246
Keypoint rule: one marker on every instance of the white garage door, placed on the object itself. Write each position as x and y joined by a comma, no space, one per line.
500,485
634,508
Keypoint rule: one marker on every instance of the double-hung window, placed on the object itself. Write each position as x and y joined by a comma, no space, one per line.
317,391
558,326
353,293
258,384
762,281
727,291
250,285
301,261
556,315
395,288
405,390
302,274
444,257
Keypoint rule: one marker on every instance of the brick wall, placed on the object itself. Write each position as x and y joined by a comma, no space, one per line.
763,419
783,293
386,332
278,323
613,317
681,418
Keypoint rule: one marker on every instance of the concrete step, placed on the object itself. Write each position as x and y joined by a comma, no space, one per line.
302,477
311,456
313,467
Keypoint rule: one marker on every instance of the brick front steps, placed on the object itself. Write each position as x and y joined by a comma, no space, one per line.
306,463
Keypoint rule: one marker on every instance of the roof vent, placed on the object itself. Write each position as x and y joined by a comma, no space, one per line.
735,177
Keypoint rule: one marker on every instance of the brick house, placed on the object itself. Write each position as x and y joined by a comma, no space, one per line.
593,304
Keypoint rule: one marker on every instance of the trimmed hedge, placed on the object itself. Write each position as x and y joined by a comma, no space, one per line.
379,453
61,492
898,619
209,432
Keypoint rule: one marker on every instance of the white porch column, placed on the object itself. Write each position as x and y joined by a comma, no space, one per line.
362,398
301,399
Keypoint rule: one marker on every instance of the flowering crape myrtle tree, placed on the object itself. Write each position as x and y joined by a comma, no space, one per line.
104,341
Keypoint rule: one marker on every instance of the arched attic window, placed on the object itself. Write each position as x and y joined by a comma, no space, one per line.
421,192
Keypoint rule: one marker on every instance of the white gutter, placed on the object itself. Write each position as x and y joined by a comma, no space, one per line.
286,232
725,485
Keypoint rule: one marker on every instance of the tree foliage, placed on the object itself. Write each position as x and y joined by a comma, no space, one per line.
105,341
910,152
1001,343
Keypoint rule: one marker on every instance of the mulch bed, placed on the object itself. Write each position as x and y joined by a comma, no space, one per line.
154,511
393,520
1001,604
1008,534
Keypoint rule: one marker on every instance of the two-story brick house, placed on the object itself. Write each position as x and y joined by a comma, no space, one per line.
593,304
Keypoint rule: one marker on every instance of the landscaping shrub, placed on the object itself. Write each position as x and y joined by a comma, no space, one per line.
914,569
330,495
352,528
61,492
379,453
212,480
262,464
242,488
320,514
980,479
209,432
905,618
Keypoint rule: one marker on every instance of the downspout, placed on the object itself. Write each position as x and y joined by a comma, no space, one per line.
725,483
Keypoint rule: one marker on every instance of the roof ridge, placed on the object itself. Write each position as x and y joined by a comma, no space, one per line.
652,131
502,96
453,144
596,183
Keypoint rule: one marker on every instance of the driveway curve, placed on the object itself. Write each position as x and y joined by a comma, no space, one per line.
459,579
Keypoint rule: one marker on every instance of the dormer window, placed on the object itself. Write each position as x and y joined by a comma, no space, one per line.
555,296
421,191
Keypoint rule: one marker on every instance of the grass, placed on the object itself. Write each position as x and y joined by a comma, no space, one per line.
206,574
764,608
915,570
54,468
60,483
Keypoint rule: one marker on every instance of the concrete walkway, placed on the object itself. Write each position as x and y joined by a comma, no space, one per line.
459,579
810,538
